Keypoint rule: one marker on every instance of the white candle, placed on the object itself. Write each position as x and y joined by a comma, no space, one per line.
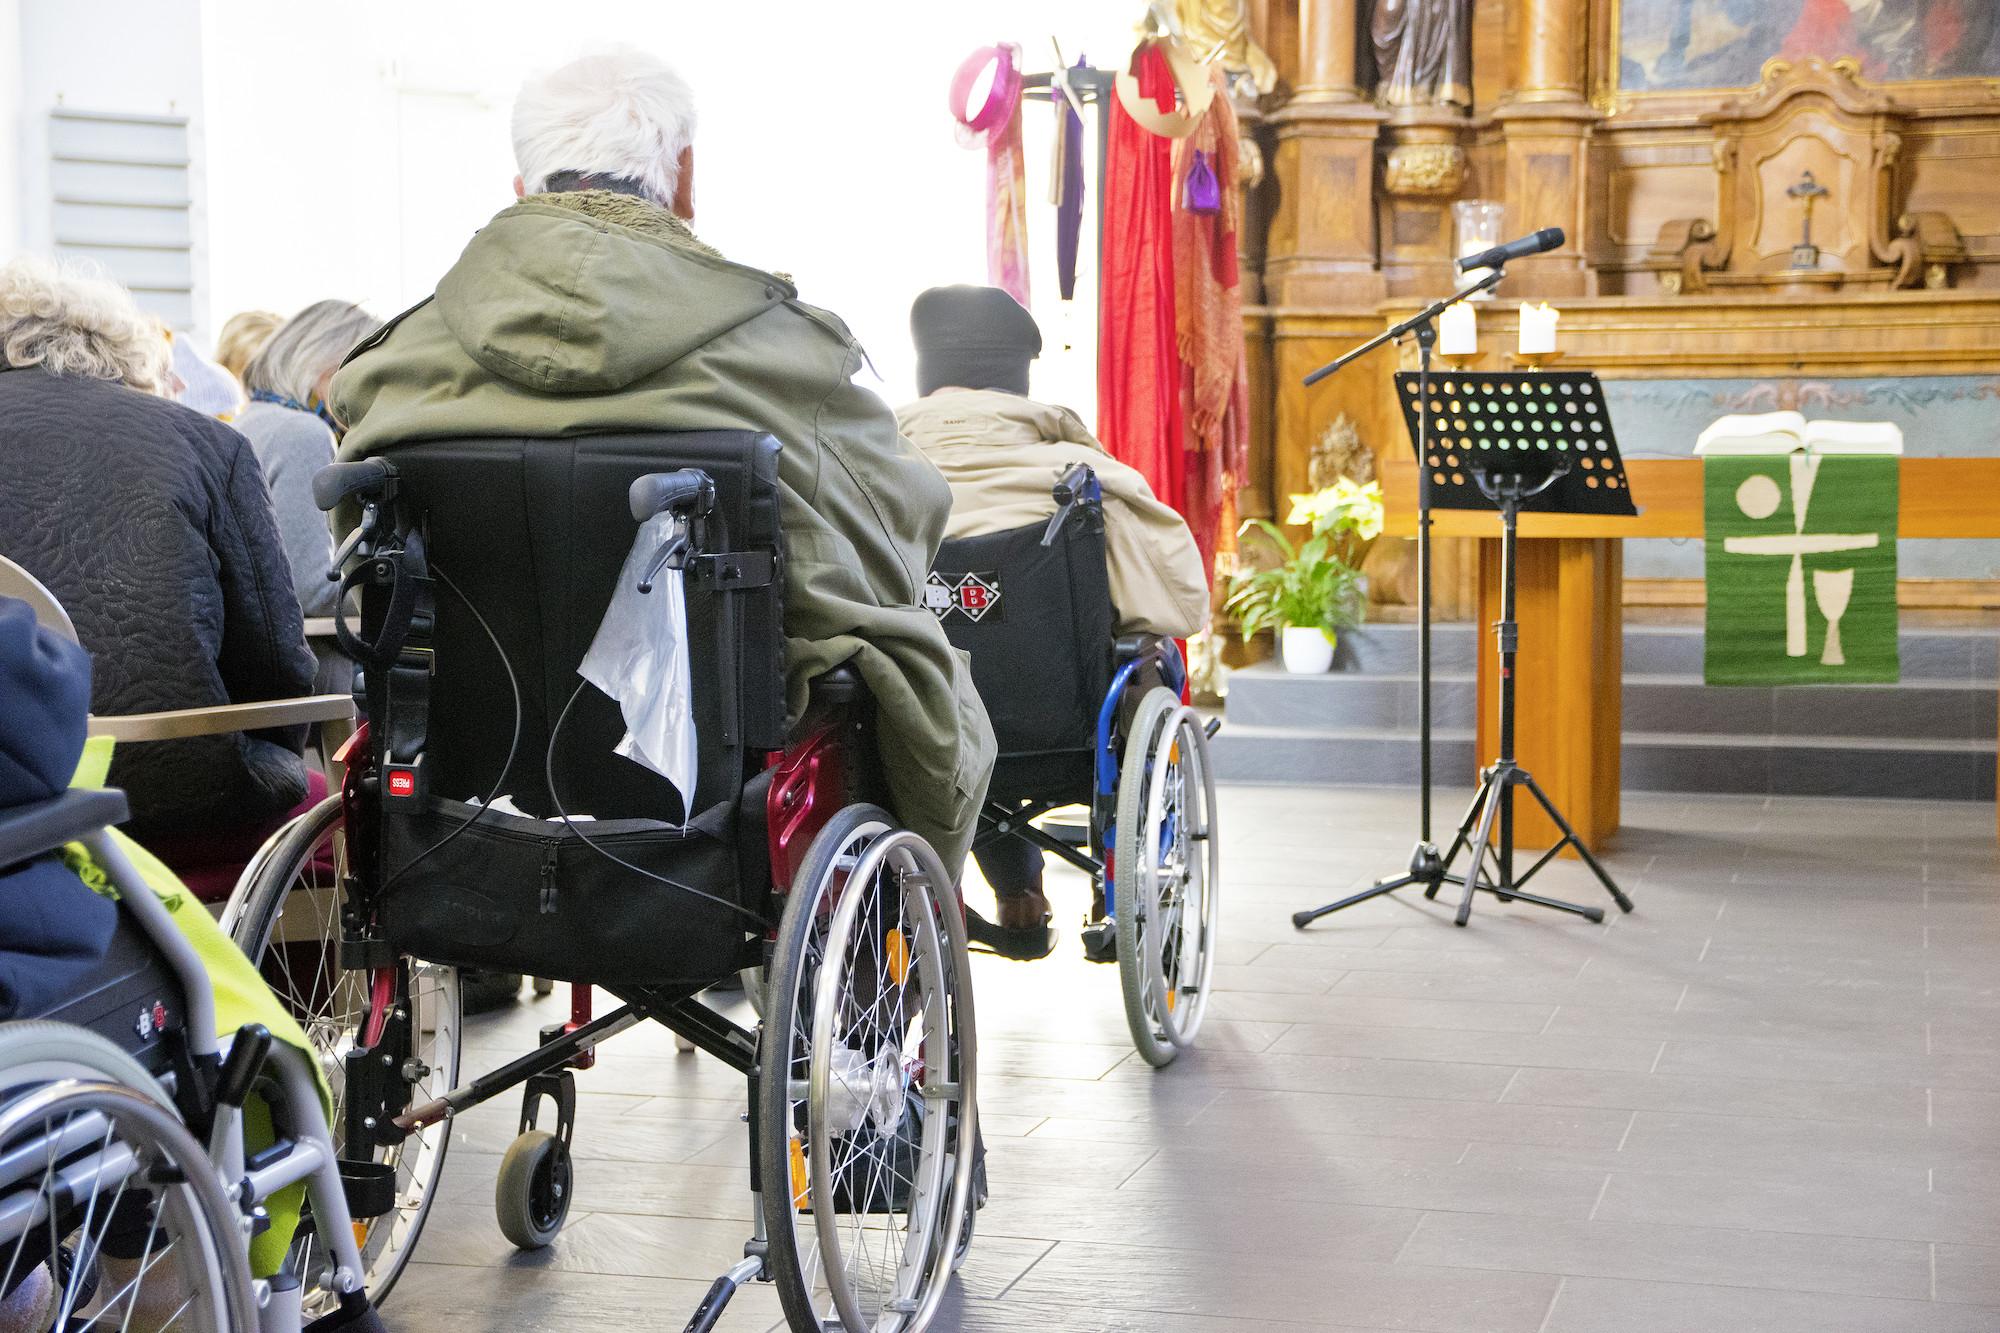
1538,329
1458,331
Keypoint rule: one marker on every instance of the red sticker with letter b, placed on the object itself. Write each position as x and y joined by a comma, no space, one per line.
972,597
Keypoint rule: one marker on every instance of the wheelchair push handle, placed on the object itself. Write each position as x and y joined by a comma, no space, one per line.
690,490
371,478
1076,486
689,495
373,482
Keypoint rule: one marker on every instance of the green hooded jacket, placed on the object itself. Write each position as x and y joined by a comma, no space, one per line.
588,312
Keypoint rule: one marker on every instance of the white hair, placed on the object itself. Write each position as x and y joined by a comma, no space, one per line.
620,113
69,319
306,349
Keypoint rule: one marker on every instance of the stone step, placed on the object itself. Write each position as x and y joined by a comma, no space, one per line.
1267,696
1354,756
1653,761
1927,653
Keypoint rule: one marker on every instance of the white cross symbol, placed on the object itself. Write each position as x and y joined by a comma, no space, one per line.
1761,502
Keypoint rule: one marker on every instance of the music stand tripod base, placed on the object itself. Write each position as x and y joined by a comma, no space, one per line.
1513,439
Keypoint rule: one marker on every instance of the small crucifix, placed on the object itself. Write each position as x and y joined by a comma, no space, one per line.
1805,254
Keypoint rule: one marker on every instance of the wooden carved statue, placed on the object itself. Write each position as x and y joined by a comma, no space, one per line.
1423,52
1220,30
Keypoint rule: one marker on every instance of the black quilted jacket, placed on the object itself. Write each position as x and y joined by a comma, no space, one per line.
151,524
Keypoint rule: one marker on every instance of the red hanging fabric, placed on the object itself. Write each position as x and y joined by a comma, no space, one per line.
1138,359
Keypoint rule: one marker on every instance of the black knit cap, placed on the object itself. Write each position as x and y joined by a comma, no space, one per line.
973,338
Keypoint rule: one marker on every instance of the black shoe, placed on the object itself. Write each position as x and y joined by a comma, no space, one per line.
1023,944
483,992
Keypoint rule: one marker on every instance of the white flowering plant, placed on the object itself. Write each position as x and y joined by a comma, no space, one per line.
1315,583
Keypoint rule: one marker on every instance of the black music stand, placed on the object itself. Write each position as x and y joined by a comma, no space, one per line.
1539,441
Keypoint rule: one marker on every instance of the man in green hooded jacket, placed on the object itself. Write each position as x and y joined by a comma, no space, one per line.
589,306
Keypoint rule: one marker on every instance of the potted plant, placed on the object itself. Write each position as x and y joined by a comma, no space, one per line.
1315,588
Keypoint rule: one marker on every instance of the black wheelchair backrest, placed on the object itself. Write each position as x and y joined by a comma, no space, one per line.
531,534
1036,618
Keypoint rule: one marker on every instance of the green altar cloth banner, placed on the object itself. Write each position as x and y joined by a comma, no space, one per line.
1801,552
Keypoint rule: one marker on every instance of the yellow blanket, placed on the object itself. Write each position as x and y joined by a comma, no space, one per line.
240,997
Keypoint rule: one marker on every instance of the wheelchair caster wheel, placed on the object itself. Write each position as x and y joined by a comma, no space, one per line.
544,986
532,1196
1100,942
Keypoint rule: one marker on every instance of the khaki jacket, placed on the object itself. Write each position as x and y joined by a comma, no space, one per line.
1001,453
589,312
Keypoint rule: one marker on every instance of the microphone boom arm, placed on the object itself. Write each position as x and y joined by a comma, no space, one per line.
1431,312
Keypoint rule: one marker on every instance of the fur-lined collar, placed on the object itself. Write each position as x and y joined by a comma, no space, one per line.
630,211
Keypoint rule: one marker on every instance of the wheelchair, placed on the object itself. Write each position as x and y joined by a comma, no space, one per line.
1087,718
484,568
131,1181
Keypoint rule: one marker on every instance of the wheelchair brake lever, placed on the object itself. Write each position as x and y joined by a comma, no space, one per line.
370,512
673,555
1055,526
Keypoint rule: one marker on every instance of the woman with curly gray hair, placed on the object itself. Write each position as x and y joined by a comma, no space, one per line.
151,523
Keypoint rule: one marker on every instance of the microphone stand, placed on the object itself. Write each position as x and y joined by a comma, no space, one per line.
1426,866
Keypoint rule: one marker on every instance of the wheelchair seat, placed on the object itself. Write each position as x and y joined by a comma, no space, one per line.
126,992
1037,621
526,539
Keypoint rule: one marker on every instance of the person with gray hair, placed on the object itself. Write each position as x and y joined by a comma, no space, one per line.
293,433
151,524
590,306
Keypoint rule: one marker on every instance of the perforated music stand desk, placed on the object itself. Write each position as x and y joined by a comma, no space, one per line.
1551,427
1534,441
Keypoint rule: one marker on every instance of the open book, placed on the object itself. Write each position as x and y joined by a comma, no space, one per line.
1790,433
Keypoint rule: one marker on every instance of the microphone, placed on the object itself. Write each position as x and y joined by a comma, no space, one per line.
1548,238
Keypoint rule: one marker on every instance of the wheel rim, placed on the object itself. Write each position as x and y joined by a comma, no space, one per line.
883,1180
298,958
549,1199
148,1241
1176,898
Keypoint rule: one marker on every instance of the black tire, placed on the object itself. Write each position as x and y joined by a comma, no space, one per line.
1165,912
191,1262
532,1194
294,884
934,1117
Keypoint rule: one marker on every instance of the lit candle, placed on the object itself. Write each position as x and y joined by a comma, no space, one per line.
1538,329
1458,331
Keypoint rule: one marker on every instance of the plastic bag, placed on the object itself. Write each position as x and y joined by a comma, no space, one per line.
640,658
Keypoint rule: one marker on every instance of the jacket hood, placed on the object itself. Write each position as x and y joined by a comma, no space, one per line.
587,292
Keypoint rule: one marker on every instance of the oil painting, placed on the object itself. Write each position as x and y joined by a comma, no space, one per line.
1665,45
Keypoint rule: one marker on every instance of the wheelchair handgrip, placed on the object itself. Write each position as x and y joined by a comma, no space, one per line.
689,490
1074,484
371,477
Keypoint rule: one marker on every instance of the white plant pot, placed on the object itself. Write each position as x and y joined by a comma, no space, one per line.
1306,651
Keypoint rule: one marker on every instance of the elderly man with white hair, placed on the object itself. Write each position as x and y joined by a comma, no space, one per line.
590,306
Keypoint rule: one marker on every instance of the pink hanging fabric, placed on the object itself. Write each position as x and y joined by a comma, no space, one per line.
998,122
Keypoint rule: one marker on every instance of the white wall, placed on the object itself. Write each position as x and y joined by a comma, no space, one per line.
136,56
10,125
355,147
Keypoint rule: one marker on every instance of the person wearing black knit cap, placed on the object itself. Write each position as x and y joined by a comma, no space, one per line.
1001,452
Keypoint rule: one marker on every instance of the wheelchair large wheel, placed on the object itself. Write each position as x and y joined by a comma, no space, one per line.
111,1215
286,918
866,1115
1166,873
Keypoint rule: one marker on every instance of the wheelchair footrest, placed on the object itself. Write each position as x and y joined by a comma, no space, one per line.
1100,942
